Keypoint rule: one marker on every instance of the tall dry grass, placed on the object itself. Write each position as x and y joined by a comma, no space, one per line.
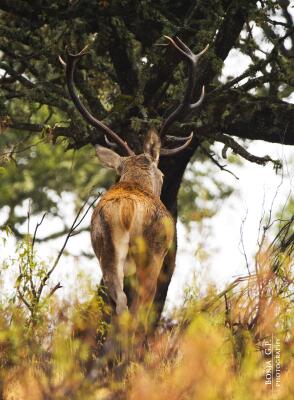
234,344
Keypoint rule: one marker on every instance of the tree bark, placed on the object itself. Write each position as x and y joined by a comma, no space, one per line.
173,169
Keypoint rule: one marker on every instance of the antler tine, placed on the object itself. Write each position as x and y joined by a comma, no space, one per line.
175,139
176,150
186,105
72,60
109,142
192,62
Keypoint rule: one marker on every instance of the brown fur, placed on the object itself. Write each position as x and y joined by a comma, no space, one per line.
117,207
131,230
150,235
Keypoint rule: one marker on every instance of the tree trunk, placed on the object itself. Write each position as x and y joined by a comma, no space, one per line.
173,169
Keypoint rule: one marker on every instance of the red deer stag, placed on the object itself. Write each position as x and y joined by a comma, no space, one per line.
131,229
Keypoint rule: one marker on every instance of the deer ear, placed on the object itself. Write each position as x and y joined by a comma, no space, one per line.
152,145
108,158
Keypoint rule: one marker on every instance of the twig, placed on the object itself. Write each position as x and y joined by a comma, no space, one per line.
74,225
232,286
252,68
242,242
221,167
53,290
228,319
14,151
24,300
271,21
36,229
30,253
286,242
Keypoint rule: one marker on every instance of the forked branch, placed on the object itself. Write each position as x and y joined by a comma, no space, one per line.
229,142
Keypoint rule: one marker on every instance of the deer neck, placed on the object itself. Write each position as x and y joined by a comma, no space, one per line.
141,180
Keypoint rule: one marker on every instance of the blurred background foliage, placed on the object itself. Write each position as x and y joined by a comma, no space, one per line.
129,81
44,171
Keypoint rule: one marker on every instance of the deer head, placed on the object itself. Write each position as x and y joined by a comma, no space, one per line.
140,169
152,147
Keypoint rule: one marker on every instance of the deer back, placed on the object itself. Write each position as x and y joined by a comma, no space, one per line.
128,208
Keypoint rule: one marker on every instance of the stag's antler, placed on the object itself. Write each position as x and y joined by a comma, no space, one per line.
72,60
186,106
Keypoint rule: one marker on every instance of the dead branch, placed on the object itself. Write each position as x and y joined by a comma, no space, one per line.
36,229
71,231
221,167
240,150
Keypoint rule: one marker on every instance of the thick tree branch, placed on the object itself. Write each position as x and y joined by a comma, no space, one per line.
16,75
248,117
124,57
240,150
24,126
77,137
17,6
60,233
231,27
261,119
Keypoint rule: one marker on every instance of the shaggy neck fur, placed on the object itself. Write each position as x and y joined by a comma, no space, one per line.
140,171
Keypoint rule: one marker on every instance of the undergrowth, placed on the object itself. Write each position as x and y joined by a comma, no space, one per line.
234,344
